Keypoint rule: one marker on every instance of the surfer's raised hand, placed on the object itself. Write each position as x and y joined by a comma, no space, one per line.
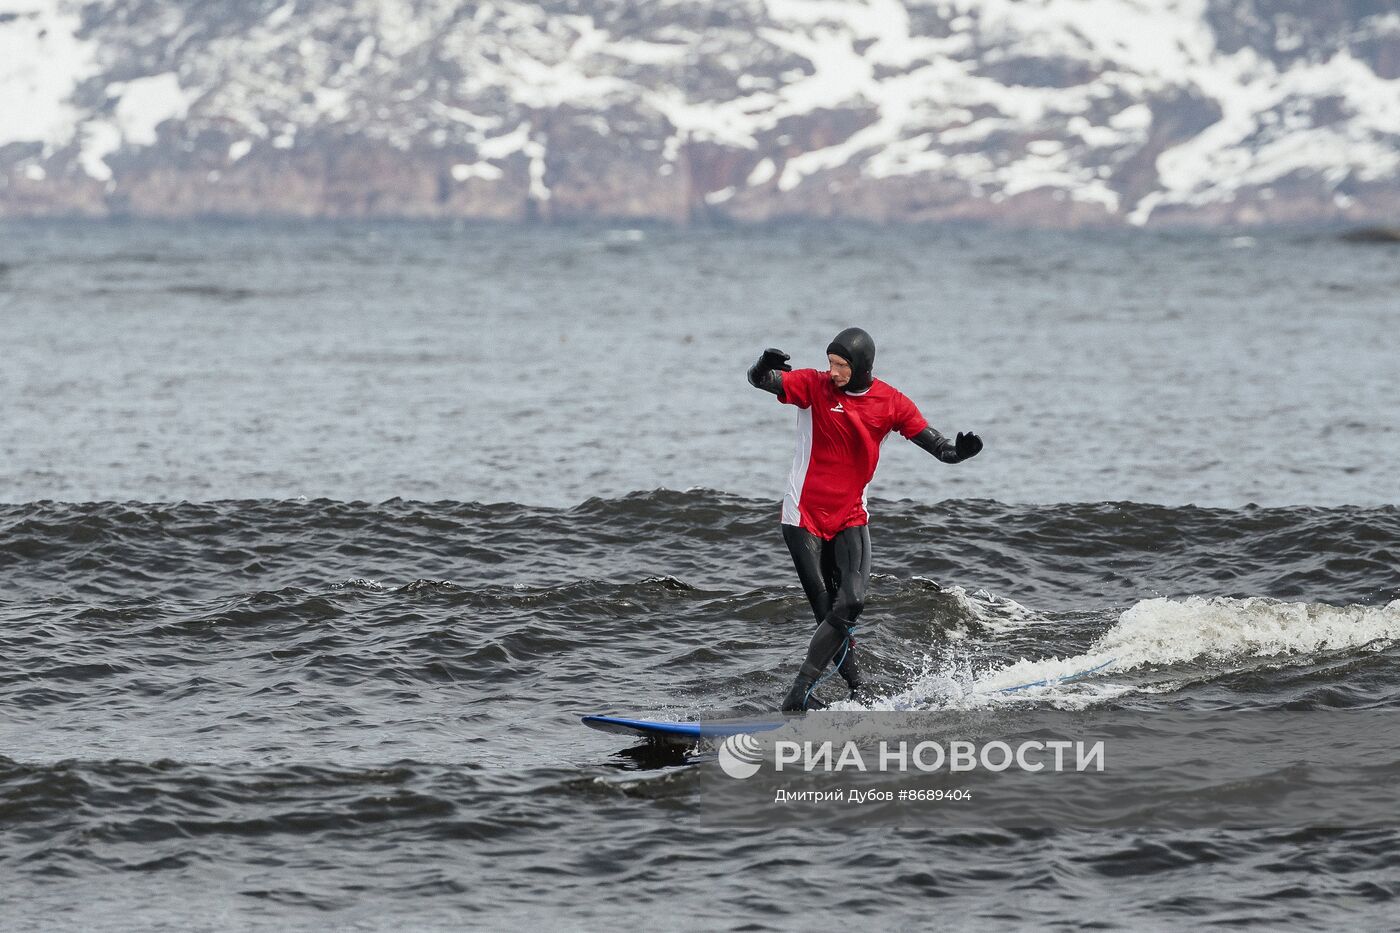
948,451
774,359
764,374
967,445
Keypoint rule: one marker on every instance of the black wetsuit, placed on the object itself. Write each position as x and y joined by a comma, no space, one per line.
834,575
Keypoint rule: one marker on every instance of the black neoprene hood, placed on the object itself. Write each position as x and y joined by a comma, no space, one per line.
856,347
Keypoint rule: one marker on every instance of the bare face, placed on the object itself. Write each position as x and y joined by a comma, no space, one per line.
838,370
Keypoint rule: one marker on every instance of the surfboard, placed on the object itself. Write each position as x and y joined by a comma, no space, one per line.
682,731
691,732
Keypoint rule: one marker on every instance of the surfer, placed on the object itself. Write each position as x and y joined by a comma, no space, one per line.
843,415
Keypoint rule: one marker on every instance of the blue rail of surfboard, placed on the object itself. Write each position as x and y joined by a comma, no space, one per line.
716,729
722,728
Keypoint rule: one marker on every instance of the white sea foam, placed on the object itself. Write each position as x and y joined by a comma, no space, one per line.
1169,631
1153,633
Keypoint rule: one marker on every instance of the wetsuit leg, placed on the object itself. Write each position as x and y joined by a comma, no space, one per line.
846,657
831,573
820,576
816,568
850,553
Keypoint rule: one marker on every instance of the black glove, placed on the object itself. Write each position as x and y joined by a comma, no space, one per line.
773,359
967,445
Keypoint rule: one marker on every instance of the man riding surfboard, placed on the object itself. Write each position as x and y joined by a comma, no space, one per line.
843,415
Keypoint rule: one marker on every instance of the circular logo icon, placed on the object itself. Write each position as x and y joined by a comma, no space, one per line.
740,756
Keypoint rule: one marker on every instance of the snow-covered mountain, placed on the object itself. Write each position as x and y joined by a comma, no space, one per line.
1041,112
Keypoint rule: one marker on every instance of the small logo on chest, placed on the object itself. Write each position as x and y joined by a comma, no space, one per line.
837,407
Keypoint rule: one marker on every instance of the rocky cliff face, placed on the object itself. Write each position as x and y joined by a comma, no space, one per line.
1029,112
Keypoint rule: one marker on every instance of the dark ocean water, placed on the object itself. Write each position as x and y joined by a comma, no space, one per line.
319,541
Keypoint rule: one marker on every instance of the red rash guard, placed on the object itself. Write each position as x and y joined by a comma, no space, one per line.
838,447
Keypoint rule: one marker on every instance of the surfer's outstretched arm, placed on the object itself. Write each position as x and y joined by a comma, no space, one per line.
966,445
767,373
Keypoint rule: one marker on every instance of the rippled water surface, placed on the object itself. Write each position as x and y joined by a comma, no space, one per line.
161,363
317,542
